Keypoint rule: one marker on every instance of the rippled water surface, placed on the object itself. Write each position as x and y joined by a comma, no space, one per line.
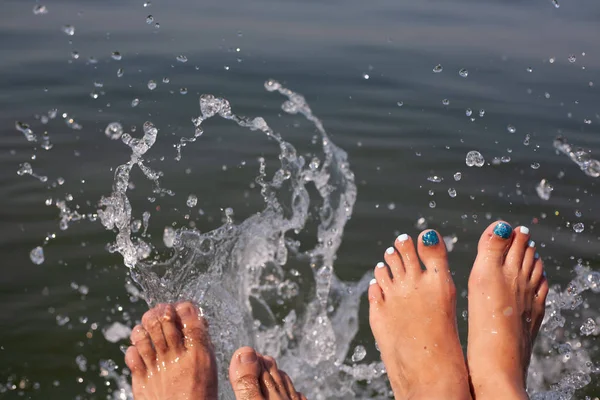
407,89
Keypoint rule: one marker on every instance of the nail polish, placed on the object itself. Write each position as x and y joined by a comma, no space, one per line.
503,230
430,239
402,238
524,230
390,250
531,243
372,282
380,265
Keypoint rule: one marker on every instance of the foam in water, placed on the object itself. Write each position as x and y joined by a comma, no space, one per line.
239,274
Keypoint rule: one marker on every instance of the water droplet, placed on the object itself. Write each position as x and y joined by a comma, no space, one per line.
169,235
359,353
366,76
149,19
432,204
62,320
551,60
474,158
40,9
400,103
463,72
181,58
391,206
572,58
587,121
446,102
75,55
114,130
183,90
435,179
527,139
588,327
544,189
438,68
135,102
68,29
468,112
147,4
116,56
166,80
151,84
555,4
578,213
529,69
578,227
457,176
535,165
192,200
120,72
37,255
511,129
452,192
481,113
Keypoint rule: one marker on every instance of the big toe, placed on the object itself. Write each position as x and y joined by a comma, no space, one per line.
244,372
494,242
432,252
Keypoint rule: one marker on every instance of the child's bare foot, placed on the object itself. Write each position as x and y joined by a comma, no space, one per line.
256,377
171,356
507,294
413,318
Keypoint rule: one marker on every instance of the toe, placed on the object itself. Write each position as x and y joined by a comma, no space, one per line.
194,327
294,395
494,242
134,362
405,246
375,293
244,372
383,275
528,259
151,322
537,274
275,378
141,340
433,253
517,250
171,330
392,258
539,307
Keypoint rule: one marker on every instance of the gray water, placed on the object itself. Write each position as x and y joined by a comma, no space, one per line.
324,51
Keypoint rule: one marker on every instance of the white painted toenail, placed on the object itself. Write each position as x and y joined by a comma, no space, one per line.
373,281
524,230
390,250
380,265
531,243
402,238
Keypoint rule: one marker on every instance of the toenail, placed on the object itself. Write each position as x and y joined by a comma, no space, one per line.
544,273
531,243
430,238
390,250
185,310
380,265
524,230
402,238
248,358
536,256
503,230
372,282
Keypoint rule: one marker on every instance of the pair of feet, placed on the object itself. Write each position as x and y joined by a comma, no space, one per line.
413,318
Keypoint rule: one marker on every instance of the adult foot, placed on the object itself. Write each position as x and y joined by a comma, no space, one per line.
507,295
413,318
171,356
256,377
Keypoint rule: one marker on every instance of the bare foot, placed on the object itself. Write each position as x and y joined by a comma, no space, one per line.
507,294
171,356
256,377
413,318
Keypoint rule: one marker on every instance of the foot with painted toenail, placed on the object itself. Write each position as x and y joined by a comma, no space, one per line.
413,317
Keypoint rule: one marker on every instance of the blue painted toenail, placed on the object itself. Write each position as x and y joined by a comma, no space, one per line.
503,230
430,238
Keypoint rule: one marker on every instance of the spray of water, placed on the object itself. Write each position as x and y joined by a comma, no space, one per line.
239,273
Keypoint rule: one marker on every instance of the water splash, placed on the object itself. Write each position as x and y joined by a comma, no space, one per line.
238,273
580,156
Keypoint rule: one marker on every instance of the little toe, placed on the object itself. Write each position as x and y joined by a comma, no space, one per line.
538,272
494,243
375,293
244,372
383,275
517,250
539,307
405,246
194,327
433,253
151,322
134,362
141,340
294,395
276,377
392,258
171,330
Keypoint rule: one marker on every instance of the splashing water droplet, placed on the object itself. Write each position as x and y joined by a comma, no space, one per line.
149,19
457,176
452,192
147,4
192,201
40,9
435,178
463,73
183,90
474,158
135,102
120,72
438,68
511,129
151,84
359,353
114,130
432,204
572,58
68,29
181,58
588,327
468,112
446,102
578,227
116,56
535,165
400,103
544,189
37,255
